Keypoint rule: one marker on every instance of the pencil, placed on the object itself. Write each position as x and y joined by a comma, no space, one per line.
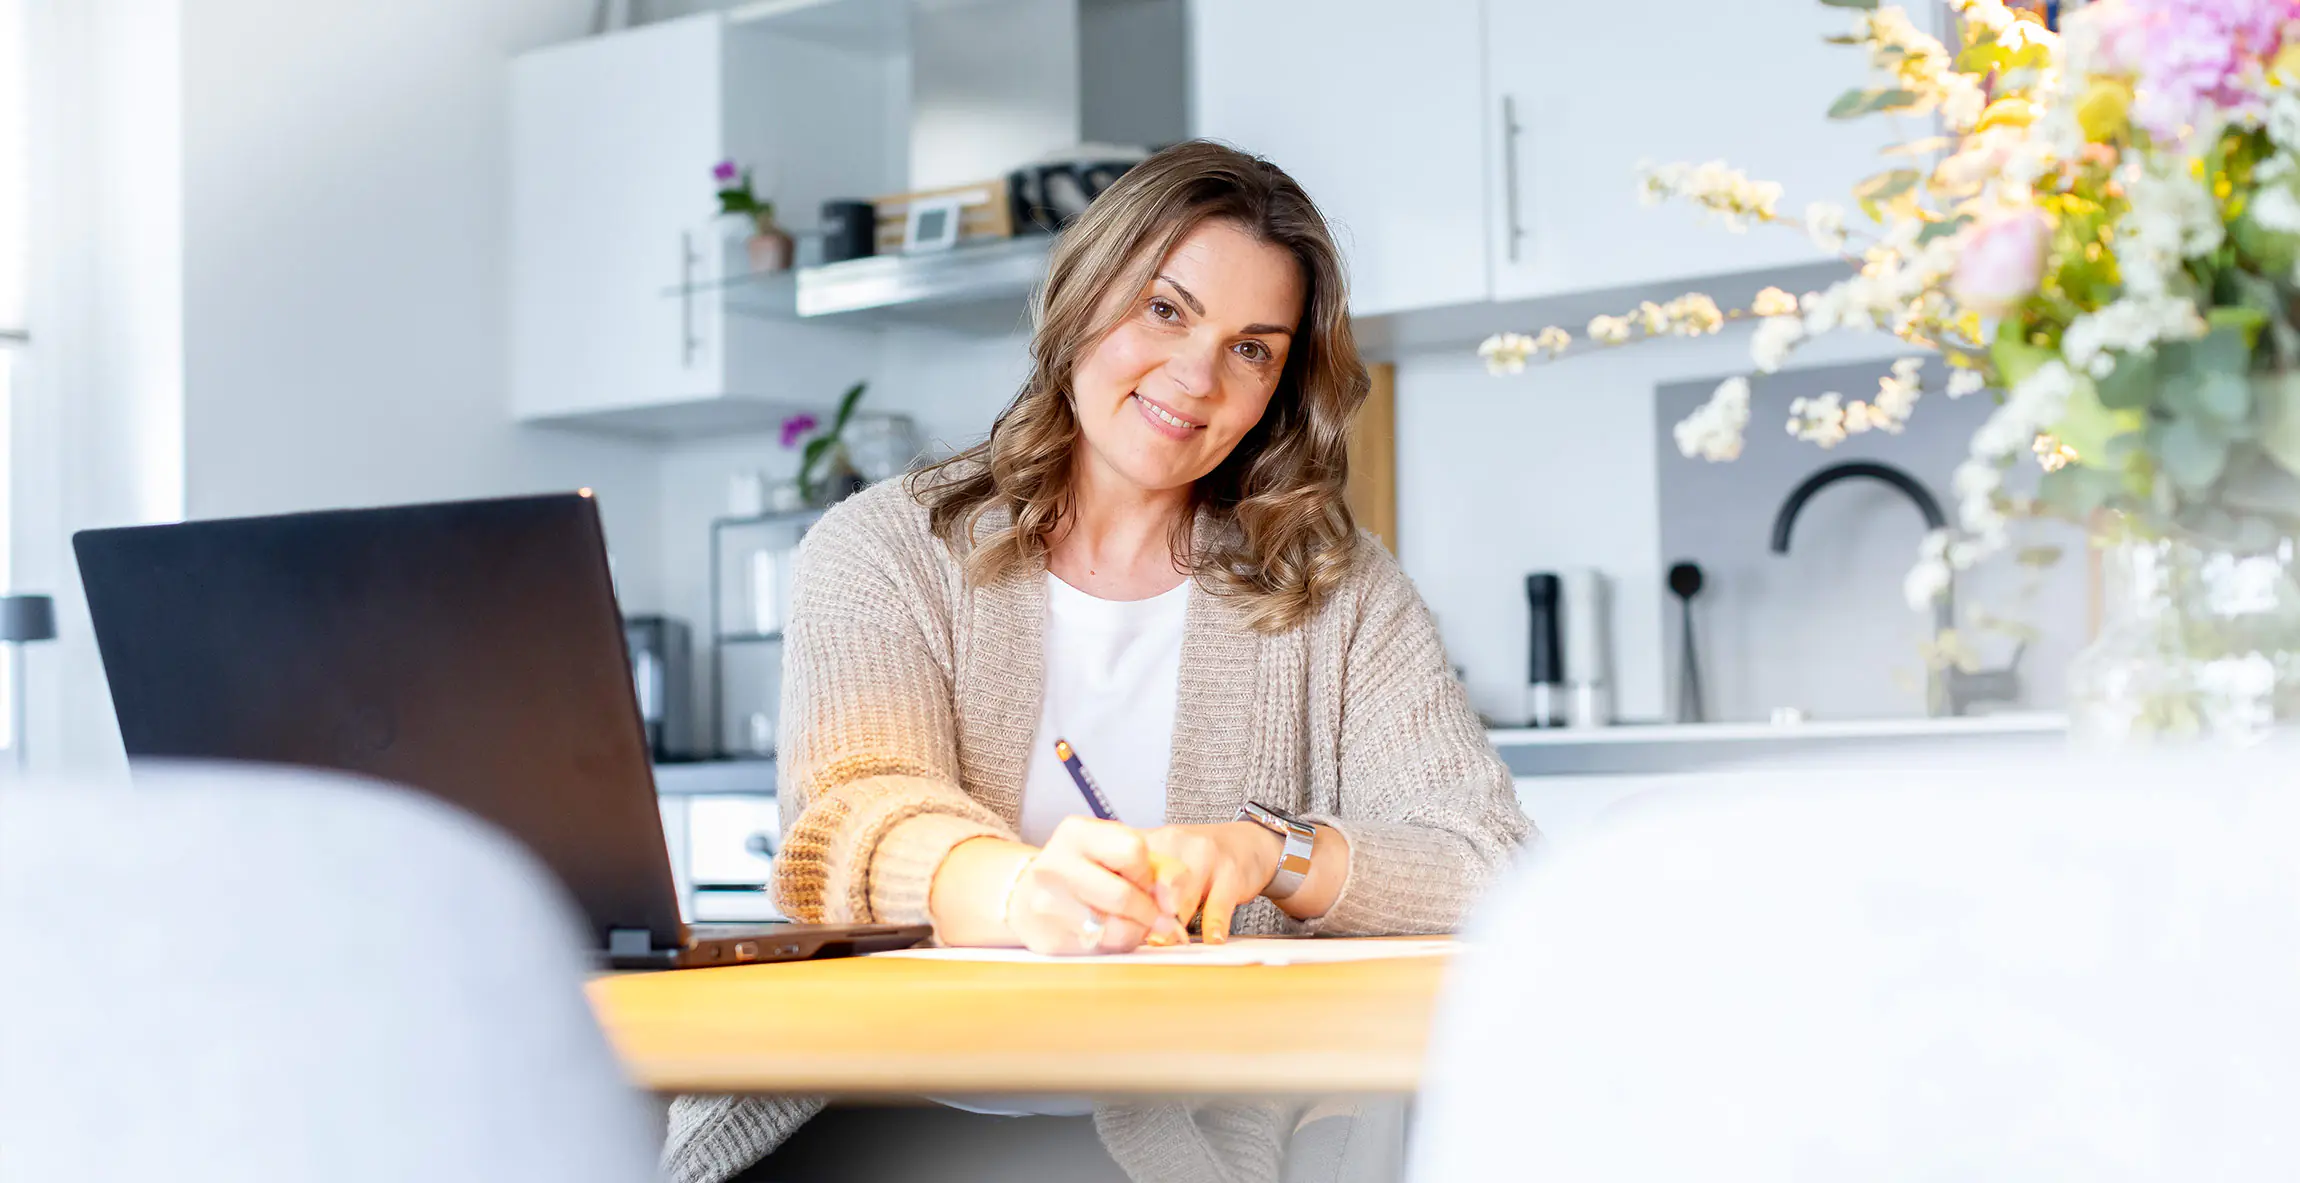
1084,780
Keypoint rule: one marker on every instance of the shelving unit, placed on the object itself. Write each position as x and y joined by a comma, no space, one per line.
796,523
981,288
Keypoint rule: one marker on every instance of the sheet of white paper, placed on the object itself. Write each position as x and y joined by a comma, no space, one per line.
1243,951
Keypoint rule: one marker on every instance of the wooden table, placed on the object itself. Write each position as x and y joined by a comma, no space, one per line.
886,1027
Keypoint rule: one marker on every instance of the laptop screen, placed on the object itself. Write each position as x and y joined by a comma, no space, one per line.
472,650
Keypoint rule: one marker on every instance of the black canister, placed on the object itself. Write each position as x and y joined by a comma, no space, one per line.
850,230
1545,653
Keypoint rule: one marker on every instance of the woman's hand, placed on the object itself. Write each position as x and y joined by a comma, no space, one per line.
1089,890
1218,868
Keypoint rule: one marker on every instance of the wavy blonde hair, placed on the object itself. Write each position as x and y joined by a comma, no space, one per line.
1283,534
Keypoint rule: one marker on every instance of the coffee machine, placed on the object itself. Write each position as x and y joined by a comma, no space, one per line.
662,670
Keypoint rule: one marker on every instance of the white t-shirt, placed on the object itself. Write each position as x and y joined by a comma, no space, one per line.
1113,674
1113,671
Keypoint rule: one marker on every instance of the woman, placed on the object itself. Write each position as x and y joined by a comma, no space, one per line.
1149,557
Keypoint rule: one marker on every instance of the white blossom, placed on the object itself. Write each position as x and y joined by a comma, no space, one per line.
1609,330
1964,382
2172,217
1693,315
1721,190
1505,353
1552,340
1714,430
1930,578
2275,208
1825,222
1818,420
1775,337
2127,326
1990,16
2283,118
1774,302
1962,100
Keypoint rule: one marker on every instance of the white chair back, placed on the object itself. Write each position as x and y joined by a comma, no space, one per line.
2048,969
244,976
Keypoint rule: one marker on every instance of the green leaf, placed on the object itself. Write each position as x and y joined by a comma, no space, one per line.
1982,57
2223,396
2131,384
1943,229
2015,358
2257,483
816,449
2092,426
1854,103
846,408
2075,492
2279,397
1850,103
1845,39
1864,5
2189,454
2242,317
1886,186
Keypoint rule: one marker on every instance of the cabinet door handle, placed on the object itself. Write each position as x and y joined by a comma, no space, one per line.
687,342
1510,128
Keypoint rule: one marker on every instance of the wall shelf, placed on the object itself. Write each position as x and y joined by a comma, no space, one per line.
983,289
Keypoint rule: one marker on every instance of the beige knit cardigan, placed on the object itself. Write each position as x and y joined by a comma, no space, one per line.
910,701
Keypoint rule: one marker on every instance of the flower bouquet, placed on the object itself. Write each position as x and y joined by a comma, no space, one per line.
2101,225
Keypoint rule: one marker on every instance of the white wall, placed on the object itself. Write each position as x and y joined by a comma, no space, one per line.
344,266
1498,477
97,430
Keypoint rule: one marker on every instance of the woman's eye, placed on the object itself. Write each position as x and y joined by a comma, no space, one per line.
1254,351
1164,310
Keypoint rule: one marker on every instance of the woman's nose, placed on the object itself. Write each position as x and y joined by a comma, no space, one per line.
1191,367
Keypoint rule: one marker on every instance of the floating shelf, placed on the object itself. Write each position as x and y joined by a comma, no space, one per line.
981,289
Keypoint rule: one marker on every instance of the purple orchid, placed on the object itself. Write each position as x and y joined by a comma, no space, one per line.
724,172
796,428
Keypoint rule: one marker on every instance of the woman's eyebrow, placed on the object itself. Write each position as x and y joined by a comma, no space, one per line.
1200,310
1187,298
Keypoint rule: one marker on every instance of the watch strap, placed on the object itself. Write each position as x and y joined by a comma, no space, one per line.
1301,840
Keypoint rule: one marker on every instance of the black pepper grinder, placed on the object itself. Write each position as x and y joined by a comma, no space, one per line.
1545,655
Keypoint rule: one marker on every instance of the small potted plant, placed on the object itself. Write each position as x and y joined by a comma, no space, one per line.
825,474
769,245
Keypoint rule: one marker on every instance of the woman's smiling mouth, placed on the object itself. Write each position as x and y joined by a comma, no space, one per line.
1158,415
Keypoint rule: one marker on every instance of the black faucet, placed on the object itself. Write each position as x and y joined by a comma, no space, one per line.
1948,690
1926,504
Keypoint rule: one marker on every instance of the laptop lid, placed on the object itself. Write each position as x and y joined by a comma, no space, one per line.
472,650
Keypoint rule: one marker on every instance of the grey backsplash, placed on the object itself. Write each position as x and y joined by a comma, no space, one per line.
1825,628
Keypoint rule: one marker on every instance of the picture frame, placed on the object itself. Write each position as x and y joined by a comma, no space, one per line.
931,225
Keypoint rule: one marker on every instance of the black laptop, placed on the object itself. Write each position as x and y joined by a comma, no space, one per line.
472,650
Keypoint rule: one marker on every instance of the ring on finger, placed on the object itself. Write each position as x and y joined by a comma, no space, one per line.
1090,929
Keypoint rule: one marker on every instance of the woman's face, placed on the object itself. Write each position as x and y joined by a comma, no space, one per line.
1187,373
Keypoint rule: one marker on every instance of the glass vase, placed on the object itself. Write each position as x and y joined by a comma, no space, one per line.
2196,645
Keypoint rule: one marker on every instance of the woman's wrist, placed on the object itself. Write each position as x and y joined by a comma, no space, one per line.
971,890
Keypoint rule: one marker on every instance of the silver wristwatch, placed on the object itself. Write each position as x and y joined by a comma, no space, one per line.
1294,862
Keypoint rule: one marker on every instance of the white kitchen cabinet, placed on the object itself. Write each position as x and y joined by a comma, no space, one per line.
1597,89
1377,108
614,243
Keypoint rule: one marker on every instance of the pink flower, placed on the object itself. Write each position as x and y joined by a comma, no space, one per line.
723,172
2120,34
796,428
2196,59
2001,263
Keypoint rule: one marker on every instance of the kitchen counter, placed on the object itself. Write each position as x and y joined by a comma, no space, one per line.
703,778
1647,748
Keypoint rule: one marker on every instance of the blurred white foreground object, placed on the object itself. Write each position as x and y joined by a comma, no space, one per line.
263,976
2046,970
